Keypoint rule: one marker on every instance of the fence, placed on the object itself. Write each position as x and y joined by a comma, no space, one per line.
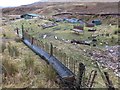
68,61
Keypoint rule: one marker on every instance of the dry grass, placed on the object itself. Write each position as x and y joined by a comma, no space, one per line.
21,69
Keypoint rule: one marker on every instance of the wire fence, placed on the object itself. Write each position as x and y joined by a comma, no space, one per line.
66,60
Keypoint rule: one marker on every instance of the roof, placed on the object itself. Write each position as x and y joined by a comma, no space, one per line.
30,14
97,20
35,15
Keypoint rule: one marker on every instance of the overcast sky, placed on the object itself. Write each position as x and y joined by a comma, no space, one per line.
7,3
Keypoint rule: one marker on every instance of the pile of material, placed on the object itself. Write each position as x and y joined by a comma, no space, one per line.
109,58
48,25
80,42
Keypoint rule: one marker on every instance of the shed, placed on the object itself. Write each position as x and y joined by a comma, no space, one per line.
97,22
29,16
72,20
90,25
81,22
78,29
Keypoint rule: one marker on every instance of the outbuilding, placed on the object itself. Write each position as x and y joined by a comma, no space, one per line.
97,22
29,16
78,29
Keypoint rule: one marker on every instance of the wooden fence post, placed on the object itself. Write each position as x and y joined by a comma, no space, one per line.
80,74
74,66
67,61
32,41
109,83
64,58
91,78
60,55
70,63
17,31
51,49
22,31
46,47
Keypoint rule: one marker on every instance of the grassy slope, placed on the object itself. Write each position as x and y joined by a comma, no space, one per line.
67,34
40,79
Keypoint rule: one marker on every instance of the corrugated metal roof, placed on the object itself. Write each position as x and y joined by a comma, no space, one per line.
35,15
30,14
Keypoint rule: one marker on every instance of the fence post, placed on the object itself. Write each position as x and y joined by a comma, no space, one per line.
110,85
80,74
64,58
91,78
17,31
32,40
22,31
70,63
60,55
74,66
66,61
51,49
54,51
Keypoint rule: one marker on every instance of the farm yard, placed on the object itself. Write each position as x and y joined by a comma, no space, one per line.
72,39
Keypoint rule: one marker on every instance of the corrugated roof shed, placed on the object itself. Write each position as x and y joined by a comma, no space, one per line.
29,15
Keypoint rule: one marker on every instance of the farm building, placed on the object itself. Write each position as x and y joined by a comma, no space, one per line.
78,29
81,22
72,20
90,25
97,22
29,16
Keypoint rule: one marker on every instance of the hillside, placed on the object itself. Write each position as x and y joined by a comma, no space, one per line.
52,8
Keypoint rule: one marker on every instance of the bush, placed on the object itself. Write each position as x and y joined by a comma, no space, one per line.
3,47
9,68
13,51
10,50
16,52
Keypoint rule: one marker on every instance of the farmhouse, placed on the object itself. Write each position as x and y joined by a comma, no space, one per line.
29,16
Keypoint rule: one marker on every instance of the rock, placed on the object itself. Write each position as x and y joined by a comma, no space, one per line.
44,36
56,37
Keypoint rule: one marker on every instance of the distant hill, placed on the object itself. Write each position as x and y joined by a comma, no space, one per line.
50,8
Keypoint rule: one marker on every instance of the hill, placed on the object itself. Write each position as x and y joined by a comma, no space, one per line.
49,8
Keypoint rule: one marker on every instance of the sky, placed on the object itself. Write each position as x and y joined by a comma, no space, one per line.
9,3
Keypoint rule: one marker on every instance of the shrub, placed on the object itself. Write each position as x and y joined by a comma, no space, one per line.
3,47
16,52
10,50
9,68
13,51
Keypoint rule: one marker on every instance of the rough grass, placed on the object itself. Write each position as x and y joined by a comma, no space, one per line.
22,77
